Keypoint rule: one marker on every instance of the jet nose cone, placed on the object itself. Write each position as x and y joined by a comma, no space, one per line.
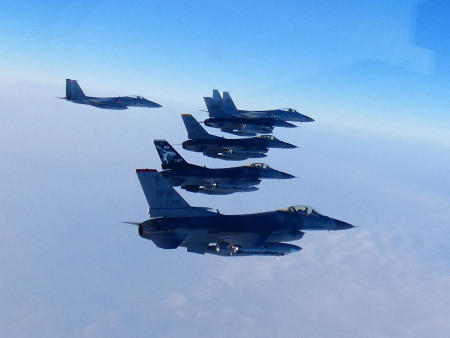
286,176
279,175
308,119
288,145
295,249
153,105
341,225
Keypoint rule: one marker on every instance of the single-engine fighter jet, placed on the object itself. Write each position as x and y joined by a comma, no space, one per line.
223,114
76,95
173,223
228,149
219,181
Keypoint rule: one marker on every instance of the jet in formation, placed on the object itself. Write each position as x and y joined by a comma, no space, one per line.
228,149
174,223
75,94
219,181
224,115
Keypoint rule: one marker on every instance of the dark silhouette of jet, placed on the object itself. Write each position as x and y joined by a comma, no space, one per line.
218,181
76,95
224,115
228,149
173,223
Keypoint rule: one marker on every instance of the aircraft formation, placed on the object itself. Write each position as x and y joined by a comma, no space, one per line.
174,223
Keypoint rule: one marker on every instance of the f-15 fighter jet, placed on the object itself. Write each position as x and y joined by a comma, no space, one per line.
228,149
76,95
224,115
174,223
218,181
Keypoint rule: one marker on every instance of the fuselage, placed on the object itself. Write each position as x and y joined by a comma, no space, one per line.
118,103
235,173
281,225
220,181
245,144
244,126
286,114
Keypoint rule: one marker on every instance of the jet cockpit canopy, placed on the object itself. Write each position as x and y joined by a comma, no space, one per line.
258,165
302,210
289,110
267,137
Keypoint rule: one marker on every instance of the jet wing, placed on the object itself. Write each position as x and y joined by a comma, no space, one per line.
255,114
199,181
239,239
244,239
238,148
107,103
109,106
191,180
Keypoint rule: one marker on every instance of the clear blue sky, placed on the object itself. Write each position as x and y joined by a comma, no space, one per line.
374,74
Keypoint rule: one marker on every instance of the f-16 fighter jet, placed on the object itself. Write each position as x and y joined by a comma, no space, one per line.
228,149
173,223
76,95
224,115
220,181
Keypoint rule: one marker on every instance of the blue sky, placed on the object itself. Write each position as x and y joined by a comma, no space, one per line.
374,75
265,53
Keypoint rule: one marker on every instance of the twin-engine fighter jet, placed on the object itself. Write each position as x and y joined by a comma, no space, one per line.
173,223
220,181
228,149
76,95
224,115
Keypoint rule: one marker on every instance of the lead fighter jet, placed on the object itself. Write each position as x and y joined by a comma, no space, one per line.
228,149
224,115
173,223
219,181
75,94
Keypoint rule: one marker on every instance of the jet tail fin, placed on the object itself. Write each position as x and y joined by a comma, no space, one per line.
214,108
216,97
194,129
162,198
228,104
209,103
73,89
168,155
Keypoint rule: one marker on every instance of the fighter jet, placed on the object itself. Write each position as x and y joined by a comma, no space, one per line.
76,95
218,181
228,149
224,115
174,223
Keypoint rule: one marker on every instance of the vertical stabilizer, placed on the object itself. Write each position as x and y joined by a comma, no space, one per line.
194,129
162,198
209,103
228,104
214,108
73,89
216,97
168,155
